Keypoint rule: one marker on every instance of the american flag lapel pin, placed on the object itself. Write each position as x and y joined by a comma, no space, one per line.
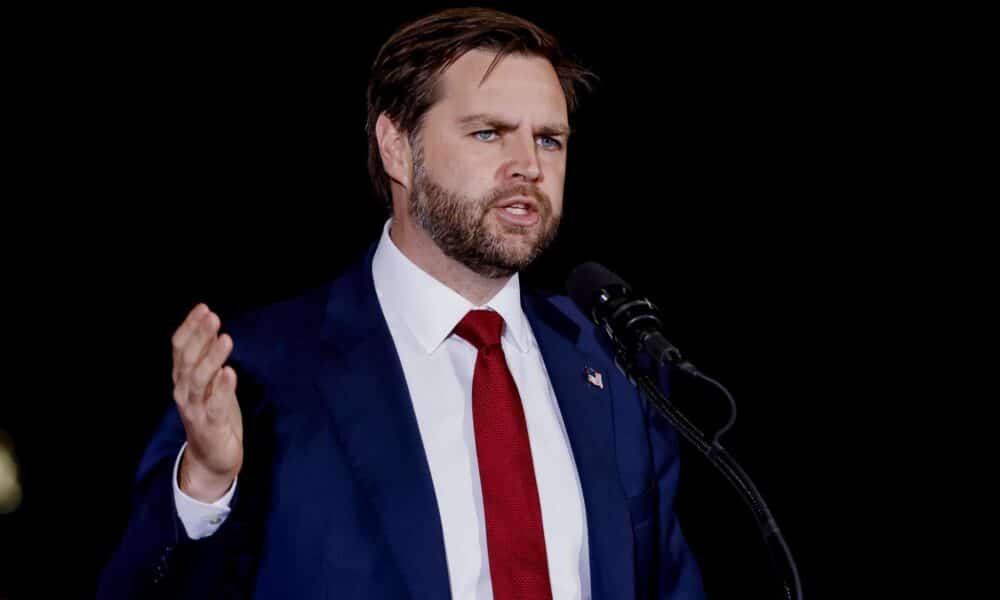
594,378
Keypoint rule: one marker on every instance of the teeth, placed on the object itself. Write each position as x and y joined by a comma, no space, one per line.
517,209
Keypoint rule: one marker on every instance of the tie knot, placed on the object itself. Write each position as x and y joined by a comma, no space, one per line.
481,328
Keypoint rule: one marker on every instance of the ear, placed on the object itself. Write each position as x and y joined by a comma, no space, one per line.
394,148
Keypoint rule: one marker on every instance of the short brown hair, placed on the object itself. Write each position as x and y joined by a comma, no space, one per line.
404,76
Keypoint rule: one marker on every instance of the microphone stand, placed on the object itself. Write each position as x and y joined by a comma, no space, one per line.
778,552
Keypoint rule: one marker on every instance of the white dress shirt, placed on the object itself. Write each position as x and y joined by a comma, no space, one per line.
421,313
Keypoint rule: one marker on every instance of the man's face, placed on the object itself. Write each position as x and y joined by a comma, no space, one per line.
489,162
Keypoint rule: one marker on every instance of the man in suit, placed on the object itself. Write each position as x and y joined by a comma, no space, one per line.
422,427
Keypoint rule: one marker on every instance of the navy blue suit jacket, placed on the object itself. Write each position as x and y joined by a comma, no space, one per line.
335,498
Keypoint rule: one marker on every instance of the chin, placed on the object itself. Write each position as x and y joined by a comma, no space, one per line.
517,243
519,250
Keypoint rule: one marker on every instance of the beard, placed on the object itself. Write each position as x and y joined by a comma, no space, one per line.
462,226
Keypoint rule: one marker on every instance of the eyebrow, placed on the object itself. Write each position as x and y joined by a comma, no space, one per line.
500,124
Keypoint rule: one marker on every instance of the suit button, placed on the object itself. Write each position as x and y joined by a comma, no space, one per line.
161,569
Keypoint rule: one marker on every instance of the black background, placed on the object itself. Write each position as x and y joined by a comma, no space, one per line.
744,168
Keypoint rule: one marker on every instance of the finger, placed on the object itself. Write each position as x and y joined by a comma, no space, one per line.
223,394
198,344
190,411
186,328
187,357
183,335
209,365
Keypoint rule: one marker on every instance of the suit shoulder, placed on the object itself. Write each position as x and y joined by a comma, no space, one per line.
281,317
561,312
569,309
270,333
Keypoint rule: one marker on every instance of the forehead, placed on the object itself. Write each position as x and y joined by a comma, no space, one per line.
520,85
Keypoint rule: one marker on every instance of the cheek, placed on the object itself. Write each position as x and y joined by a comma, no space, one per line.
454,168
458,169
469,175
556,198
555,174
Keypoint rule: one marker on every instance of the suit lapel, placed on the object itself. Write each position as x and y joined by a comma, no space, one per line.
366,394
586,411
362,380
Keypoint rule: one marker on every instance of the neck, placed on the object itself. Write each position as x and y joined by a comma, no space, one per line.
417,246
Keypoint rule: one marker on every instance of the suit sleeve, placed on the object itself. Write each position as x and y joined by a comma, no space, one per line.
155,558
679,576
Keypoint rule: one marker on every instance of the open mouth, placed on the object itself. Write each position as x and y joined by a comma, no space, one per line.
520,210
523,213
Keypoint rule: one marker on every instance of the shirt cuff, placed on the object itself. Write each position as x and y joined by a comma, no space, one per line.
200,519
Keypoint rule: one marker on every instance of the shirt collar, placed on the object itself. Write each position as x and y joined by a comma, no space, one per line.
430,309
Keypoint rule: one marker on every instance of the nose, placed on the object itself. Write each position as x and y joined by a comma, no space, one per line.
522,159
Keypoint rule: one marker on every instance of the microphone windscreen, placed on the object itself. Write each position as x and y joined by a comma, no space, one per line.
586,281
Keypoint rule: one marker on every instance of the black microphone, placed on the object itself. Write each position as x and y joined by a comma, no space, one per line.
631,321
633,324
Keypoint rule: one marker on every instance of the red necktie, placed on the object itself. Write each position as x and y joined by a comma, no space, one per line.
515,540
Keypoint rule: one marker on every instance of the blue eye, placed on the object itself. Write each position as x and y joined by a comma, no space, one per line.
485,135
549,143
